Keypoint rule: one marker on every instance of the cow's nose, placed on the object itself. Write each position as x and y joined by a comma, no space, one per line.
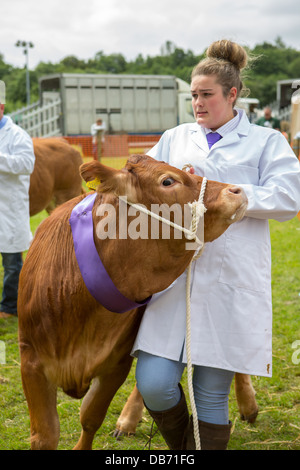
236,195
235,190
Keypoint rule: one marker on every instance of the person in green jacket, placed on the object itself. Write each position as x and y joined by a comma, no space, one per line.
268,120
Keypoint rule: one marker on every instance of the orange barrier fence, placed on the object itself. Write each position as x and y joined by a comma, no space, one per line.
117,148
295,144
115,145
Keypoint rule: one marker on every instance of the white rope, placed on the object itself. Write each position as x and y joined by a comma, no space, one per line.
188,335
198,209
190,233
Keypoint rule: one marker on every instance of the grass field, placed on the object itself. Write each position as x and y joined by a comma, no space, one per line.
278,424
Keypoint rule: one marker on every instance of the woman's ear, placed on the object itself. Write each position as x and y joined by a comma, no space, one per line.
232,96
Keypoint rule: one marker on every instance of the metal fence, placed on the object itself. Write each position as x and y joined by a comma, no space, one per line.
40,121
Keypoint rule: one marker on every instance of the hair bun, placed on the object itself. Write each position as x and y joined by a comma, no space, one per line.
228,51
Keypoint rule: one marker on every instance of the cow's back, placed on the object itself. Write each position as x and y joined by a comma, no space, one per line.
55,178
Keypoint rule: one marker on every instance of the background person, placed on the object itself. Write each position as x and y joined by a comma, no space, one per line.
267,120
98,131
231,306
16,164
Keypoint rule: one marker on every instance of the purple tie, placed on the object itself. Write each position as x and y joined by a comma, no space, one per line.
212,138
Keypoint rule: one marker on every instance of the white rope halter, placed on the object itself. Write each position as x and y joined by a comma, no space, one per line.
198,210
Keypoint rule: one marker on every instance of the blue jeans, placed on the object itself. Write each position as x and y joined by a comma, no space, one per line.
158,378
12,264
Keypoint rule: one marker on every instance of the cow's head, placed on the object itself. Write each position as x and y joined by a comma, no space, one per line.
157,260
147,181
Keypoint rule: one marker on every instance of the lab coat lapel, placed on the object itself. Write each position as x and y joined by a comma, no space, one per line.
198,137
241,130
228,139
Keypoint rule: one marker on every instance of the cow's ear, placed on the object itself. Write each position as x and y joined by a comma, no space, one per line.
92,170
104,178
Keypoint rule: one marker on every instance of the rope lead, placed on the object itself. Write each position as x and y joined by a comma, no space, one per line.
188,333
198,209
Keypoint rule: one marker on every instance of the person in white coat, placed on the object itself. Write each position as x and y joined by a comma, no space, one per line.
231,310
98,131
16,164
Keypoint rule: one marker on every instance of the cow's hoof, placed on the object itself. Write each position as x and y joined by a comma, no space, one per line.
118,434
251,418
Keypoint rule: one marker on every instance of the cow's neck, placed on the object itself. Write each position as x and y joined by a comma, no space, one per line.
139,273
93,271
135,265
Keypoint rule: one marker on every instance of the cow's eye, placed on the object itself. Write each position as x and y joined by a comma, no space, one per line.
168,181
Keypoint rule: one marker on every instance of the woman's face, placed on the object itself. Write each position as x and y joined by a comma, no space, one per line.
211,109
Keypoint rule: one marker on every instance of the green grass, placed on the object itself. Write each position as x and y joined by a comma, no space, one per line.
278,423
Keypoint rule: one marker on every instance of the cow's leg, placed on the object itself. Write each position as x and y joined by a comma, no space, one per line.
245,395
96,402
51,206
41,400
131,414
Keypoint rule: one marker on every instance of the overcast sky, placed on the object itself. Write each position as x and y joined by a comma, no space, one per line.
59,28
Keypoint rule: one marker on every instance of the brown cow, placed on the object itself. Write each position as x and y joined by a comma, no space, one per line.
67,338
55,178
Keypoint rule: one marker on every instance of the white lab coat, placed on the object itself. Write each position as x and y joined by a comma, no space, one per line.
16,164
231,309
95,128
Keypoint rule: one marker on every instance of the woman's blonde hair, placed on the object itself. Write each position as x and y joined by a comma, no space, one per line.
224,59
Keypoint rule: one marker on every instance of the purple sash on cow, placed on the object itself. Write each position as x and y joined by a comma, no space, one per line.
94,274
212,138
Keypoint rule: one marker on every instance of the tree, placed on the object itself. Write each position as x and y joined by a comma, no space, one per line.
274,61
113,63
167,48
72,62
4,68
294,68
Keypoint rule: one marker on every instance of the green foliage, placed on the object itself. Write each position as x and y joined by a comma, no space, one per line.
272,62
5,69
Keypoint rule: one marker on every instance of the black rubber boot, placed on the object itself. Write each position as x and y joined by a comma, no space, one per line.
212,436
173,423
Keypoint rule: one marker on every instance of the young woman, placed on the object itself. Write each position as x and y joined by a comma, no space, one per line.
231,312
